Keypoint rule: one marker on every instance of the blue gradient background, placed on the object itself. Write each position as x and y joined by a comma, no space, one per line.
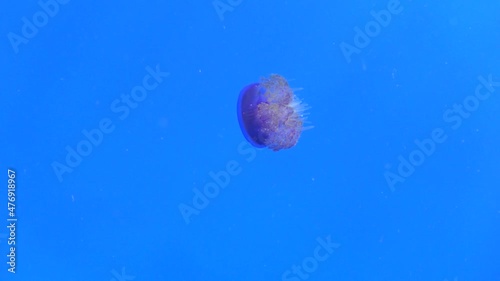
120,207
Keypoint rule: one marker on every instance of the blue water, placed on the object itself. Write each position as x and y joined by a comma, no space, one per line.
119,127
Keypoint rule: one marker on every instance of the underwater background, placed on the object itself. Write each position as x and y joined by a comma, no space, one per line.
126,162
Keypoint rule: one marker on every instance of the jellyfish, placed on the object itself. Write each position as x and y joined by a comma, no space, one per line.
270,115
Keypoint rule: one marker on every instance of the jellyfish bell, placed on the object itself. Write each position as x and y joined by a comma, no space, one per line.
269,114
248,102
